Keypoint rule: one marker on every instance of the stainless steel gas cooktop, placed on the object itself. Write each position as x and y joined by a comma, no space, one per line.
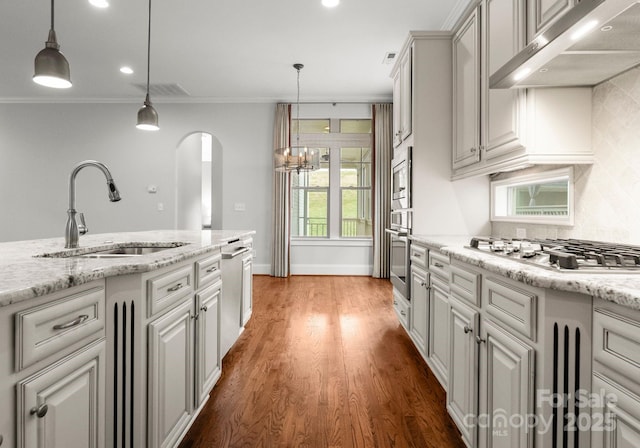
569,255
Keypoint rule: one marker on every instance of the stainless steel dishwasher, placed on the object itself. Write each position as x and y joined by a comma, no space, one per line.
230,306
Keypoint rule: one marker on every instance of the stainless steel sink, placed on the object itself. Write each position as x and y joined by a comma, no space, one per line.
123,250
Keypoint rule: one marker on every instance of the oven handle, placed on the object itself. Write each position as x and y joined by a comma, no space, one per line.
396,232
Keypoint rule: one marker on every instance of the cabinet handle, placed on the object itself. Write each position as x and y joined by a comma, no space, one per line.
479,340
472,150
204,308
175,288
194,317
77,321
39,411
467,329
438,265
395,302
403,313
210,270
1,439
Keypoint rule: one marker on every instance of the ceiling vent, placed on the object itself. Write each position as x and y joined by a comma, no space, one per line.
167,89
390,57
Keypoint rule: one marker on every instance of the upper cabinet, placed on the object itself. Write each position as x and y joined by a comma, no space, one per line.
505,129
542,13
402,97
466,92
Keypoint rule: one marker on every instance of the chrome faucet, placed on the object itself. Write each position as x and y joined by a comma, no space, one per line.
73,229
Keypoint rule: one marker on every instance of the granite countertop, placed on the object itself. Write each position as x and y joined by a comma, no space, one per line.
26,274
620,288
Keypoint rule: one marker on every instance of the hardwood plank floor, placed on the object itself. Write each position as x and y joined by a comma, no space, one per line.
324,362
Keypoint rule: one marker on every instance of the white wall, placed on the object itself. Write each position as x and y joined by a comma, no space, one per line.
40,143
607,192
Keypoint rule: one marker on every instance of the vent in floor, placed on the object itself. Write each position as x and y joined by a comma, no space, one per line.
168,89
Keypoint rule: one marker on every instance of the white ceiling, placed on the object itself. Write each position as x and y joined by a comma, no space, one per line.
223,50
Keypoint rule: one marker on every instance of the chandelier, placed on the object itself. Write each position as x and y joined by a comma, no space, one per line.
296,157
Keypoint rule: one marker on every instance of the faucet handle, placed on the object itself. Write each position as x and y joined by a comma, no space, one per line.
82,225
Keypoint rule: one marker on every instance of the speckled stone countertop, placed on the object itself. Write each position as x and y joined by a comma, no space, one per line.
623,289
25,274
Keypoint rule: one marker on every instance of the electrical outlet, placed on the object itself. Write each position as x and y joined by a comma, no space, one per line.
521,233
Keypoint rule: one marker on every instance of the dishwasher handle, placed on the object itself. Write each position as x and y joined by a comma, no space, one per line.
235,253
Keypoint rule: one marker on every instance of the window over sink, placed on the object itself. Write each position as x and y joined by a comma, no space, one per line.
539,198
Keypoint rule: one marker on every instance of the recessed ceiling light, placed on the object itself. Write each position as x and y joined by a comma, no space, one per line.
126,70
330,3
99,3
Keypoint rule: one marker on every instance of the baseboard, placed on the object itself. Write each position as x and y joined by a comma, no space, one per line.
331,269
261,269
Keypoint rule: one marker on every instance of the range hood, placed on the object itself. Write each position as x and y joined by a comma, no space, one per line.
594,41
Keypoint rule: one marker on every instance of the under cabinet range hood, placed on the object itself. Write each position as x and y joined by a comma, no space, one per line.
594,41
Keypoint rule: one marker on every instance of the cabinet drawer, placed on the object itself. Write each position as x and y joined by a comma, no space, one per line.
44,330
517,308
465,284
419,255
168,289
402,309
207,271
439,264
616,342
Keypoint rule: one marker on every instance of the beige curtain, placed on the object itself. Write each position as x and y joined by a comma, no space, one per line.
383,153
281,197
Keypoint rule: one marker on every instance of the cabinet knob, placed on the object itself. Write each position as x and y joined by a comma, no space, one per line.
403,313
479,340
467,329
204,308
473,149
39,411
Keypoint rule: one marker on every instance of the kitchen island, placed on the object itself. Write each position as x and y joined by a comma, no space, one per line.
115,343
529,355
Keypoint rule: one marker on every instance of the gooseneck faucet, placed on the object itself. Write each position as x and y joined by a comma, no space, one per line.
73,229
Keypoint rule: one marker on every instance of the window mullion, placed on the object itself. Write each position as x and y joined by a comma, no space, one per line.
334,191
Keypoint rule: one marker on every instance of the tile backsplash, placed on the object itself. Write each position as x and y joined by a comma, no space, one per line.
607,201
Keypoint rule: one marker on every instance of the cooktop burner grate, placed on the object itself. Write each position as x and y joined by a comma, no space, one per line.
571,254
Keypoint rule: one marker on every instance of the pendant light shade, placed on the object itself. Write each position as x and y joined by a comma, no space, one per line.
51,67
297,158
147,115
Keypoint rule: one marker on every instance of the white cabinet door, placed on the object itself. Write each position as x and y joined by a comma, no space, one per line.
397,100
462,384
208,362
542,13
506,388
616,424
171,351
438,341
503,110
247,289
466,93
63,405
406,90
420,307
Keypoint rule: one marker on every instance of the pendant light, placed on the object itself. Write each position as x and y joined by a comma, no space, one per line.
147,115
297,158
51,67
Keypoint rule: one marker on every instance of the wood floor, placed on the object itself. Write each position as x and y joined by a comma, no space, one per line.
324,363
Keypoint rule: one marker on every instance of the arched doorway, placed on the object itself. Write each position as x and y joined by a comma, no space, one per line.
199,182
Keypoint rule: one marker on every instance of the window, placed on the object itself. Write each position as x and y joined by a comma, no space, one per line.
355,192
543,198
334,201
310,200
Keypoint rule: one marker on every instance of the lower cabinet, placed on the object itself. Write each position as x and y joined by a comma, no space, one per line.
170,357
616,422
506,388
438,340
62,406
462,384
419,308
208,361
